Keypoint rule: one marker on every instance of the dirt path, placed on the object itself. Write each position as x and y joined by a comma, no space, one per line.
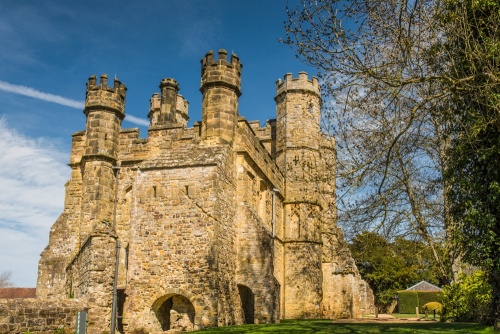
384,318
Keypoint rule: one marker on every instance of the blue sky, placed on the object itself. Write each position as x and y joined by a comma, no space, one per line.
50,48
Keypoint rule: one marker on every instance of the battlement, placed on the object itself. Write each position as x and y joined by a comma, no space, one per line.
104,97
302,83
221,72
169,83
118,87
208,60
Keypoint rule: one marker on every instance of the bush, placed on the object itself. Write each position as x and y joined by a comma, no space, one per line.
431,307
468,299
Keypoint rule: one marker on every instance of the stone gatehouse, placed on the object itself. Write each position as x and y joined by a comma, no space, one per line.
226,222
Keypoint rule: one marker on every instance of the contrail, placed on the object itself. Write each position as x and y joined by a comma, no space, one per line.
136,120
36,94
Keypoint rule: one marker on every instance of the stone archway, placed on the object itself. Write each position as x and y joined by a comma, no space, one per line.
174,312
248,303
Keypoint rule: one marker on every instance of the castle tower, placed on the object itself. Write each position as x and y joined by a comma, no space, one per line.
221,88
105,110
298,105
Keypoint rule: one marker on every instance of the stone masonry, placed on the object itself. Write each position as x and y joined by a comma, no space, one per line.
223,223
30,315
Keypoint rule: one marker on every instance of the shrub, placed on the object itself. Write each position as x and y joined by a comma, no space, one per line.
468,299
432,306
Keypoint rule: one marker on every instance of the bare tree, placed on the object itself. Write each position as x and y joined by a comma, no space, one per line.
386,103
5,279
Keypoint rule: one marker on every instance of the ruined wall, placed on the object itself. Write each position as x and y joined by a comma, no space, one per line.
90,277
64,238
345,294
18,316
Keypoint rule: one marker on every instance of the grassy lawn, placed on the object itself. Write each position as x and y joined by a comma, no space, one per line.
325,326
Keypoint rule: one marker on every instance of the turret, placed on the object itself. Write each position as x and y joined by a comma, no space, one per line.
168,109
105,110
298,157
221,88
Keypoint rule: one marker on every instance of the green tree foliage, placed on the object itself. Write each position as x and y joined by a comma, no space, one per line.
420,257
392,266
467,300
475,148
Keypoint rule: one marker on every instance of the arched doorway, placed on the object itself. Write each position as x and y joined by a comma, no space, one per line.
174,312
247,302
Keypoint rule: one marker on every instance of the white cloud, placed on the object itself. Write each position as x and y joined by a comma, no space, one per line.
32,177
36,94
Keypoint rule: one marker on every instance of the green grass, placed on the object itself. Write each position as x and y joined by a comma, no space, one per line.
327,327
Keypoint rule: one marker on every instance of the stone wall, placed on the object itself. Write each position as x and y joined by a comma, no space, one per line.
255,243
18,316
172,220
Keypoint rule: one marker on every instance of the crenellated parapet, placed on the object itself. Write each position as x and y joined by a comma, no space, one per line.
221,72
302,84
101,97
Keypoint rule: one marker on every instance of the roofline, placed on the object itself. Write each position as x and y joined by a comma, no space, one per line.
435,286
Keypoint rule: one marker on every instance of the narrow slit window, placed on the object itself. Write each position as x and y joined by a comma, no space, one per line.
127,250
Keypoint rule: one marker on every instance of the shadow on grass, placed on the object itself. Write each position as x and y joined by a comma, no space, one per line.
327,327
